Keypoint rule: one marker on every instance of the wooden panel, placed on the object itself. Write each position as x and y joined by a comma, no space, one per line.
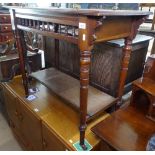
13,108
6,36
30,128
108,32
5,18
51,142
5,27
23,122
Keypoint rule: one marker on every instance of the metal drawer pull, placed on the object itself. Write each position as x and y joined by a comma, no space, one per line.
6,28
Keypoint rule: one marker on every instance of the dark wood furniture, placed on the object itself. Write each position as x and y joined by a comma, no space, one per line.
125,130
106,61
2,104
10,61
46,123
6,34
143,91
5,27
84,28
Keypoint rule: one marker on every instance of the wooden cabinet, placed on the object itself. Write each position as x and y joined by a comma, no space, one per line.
51,142
25,124
30,126
5,18
7,62
5,27
46,123
13,108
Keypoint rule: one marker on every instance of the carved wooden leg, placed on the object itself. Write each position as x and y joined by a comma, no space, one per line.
84,83
21,50
153,47
124,69
133,95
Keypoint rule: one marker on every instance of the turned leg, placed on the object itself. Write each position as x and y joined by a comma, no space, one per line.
20,44
124,68
84,83
22,54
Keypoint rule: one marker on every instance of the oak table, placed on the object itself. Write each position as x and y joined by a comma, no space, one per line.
83,27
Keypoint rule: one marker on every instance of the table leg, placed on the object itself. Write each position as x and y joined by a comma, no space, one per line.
84,83
20,42
153,47
124,67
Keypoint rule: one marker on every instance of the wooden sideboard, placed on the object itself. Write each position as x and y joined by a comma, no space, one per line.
46,123
84,28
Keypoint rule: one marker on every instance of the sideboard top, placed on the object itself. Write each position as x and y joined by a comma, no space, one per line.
80,12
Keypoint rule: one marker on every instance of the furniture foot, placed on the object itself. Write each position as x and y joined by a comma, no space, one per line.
82,137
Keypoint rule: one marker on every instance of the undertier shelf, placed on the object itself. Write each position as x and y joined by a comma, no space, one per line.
68,89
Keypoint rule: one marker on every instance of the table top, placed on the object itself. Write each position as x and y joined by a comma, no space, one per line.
81,12
126,129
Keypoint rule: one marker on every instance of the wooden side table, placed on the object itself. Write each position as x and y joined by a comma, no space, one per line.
125,130
84,28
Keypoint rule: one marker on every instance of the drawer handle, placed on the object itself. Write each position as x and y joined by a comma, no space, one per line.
12,125
6,28
20,117
16,113
44,143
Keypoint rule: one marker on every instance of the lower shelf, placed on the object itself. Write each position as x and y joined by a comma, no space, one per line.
68,88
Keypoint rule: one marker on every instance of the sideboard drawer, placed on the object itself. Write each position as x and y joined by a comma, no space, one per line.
5,18
6,36
51,142
5,28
